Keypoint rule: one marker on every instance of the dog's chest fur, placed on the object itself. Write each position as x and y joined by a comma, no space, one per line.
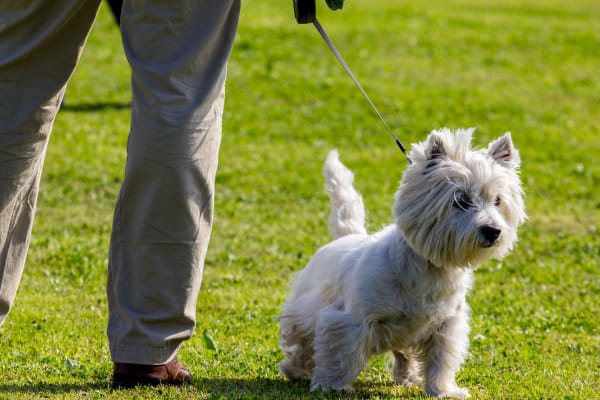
419,300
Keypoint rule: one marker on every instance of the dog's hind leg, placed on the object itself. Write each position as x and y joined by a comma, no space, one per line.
340,347
298,364
406,369
297,346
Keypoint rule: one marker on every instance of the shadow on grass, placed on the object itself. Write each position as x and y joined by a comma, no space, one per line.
50,388
215,388
264,388
93,107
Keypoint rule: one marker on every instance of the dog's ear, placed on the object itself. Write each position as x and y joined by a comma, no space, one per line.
436,146
503,152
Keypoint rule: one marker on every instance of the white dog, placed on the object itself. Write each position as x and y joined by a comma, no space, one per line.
403,289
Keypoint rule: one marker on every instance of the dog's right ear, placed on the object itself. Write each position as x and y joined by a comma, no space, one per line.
436,146
503,152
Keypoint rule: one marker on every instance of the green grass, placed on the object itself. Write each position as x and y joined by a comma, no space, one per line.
529,68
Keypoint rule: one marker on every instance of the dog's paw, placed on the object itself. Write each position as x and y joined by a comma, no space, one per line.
318,387
450,393
408,382
293,372
409,379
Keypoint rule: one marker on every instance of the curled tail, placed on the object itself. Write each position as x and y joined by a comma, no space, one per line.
347,215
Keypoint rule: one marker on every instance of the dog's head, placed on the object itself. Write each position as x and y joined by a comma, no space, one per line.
456,206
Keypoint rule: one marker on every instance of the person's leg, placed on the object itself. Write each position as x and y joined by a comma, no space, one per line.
40,46
178,51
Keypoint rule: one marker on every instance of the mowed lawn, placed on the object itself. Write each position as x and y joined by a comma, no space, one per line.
531,68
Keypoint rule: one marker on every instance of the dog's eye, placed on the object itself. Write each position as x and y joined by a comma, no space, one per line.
497,201
462,201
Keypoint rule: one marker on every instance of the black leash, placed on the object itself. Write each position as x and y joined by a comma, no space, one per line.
305,12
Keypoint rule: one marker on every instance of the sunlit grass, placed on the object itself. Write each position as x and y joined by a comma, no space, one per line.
531,69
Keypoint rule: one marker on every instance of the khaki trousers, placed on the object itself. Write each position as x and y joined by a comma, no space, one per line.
178,52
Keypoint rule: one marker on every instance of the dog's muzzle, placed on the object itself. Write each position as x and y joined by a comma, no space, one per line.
489,235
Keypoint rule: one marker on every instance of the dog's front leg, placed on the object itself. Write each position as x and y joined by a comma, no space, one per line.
340,349
444,353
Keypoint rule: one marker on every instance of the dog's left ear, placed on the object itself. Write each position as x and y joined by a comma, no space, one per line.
504,153
436,146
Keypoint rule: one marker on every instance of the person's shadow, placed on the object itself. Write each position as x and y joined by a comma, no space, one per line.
28,390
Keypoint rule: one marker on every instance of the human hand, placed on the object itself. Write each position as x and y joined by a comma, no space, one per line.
335,4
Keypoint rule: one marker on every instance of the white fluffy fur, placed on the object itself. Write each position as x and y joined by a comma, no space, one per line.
404,289
347,214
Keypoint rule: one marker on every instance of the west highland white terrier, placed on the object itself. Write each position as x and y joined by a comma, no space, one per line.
403,289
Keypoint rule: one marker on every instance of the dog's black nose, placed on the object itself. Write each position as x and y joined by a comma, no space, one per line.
490,235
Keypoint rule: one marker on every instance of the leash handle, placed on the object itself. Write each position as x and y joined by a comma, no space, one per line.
305,11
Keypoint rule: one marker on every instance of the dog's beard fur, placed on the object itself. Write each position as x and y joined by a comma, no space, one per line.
403,289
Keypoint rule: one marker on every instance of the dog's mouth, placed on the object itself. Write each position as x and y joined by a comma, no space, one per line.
487,245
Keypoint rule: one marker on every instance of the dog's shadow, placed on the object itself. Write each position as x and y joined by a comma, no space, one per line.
266,388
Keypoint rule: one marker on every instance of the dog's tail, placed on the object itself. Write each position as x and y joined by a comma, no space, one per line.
347,215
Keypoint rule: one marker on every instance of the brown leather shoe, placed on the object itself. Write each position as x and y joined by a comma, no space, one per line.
128,376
